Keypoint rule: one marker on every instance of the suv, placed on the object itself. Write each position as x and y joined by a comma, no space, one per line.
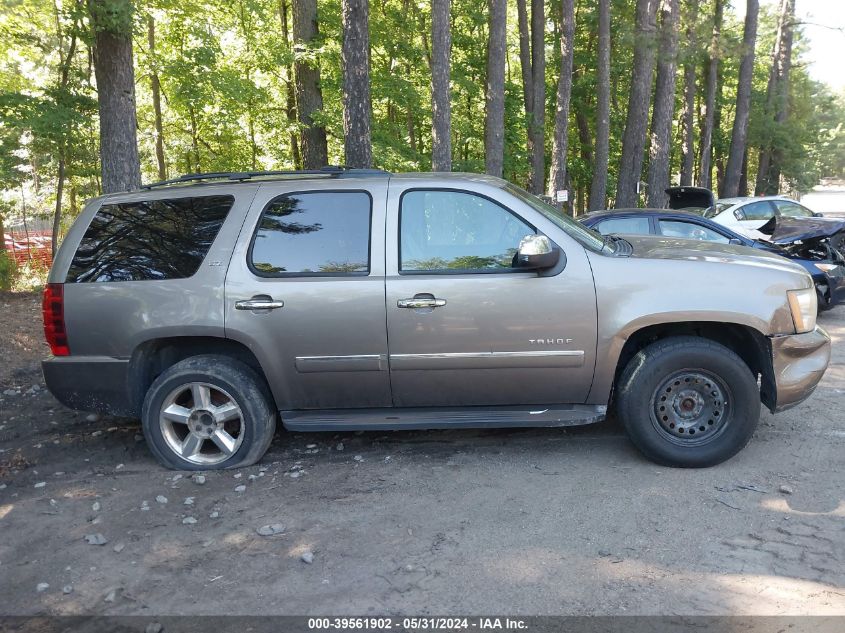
334,300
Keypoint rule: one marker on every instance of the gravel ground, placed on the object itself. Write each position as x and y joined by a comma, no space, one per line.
476,522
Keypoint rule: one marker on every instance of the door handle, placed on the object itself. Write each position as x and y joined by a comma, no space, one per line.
259,304
421,302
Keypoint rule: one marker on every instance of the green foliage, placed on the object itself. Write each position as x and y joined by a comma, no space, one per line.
7,270
224,69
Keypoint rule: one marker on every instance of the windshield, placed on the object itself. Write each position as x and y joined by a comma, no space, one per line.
586,237
717,208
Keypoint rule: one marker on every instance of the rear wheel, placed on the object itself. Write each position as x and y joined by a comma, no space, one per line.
689,402
208,412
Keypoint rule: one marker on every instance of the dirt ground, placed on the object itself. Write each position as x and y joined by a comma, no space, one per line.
438,522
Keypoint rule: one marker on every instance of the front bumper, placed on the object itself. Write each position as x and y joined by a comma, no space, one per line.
798,362
89,383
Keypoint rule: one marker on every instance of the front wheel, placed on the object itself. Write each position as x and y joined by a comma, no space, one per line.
208,412
689,402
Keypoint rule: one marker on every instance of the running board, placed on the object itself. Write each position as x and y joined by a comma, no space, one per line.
443,418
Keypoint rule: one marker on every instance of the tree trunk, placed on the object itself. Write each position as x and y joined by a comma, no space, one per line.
688,116
538,98
112,24
355,57
743,176
309,96
739,135
494,120
57,213
290,95
155,85
65,64
441,120
777,100
560,141
636,126
664,107
525,62
705,176
598,187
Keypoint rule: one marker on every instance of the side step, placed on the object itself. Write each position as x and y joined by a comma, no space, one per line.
525,416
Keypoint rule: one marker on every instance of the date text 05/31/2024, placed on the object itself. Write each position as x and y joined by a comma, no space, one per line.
417,624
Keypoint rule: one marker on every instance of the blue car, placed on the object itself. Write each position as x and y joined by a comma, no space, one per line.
818,257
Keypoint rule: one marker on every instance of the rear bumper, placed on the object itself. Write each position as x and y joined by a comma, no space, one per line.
89,383
799,362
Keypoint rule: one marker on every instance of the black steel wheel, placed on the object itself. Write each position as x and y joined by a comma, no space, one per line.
688,401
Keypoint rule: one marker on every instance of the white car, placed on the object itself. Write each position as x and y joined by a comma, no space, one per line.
746,215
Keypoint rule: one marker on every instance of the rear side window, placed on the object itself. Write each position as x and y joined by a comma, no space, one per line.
313,233
691,231
149,239
634,226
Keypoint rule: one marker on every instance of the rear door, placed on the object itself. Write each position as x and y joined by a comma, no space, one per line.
305,292
491,334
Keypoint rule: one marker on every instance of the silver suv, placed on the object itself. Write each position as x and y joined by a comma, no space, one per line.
212,305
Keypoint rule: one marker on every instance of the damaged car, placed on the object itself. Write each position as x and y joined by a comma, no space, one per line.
783,236
749,215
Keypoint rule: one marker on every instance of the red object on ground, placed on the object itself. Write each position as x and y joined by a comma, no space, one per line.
34,246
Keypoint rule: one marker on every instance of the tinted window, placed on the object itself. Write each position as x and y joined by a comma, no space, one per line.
757,211
456,230
690,231
635,226
792,209
319,233
151,239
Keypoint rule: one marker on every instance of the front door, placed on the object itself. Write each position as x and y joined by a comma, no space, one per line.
467,328
306,294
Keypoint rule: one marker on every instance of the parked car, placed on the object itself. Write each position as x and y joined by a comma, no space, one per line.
826,265
748,216
213,305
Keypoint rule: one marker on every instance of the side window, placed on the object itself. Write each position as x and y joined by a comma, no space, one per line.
790,209
690,231
635,226
457,230
149,239
758,211
315,233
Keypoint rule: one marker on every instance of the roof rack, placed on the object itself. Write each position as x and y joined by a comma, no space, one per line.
334,171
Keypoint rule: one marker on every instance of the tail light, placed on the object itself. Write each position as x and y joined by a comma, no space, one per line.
53,311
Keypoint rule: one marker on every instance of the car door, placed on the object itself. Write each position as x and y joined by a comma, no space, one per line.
465,327
752,215
305,292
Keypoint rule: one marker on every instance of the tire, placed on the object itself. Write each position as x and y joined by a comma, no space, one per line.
709,398
208,412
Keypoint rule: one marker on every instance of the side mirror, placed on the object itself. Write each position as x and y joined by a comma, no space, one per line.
739,214
735,241
536,252
816,214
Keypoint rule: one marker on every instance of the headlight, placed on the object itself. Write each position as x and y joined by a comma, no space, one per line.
827,267
803,304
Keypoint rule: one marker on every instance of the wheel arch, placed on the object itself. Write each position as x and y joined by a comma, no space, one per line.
751,345
152,357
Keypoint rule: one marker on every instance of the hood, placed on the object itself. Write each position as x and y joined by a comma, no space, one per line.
787,230
652,247
690,198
